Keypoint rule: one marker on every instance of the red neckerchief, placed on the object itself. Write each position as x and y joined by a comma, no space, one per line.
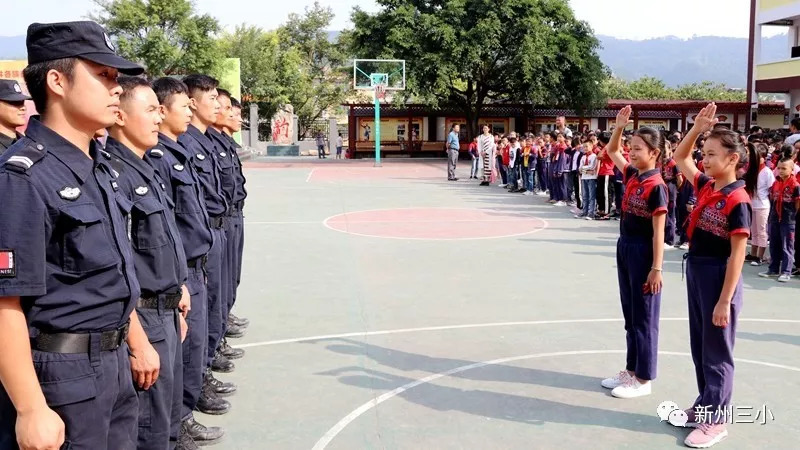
777,191
702,203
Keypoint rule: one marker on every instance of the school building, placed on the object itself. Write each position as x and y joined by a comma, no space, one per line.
781,76
418,130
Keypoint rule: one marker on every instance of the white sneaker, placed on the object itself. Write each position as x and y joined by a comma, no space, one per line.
767,274
542,193
617,380
632,389
502,185
784,278
589,218
685,246
559,203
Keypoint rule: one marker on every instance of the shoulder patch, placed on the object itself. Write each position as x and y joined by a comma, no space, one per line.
178,167
26,157
201,156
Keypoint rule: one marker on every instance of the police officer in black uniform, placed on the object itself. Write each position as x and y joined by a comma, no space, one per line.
235,126
67,279
205,108
12,112
228,174
173,163
160,265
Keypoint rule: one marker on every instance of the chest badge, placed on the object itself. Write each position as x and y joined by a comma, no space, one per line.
156,152
640,190
114,186
201,156
178,167
141,190
223,154
720,204
70,193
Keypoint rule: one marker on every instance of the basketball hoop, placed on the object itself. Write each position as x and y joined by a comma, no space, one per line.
380,91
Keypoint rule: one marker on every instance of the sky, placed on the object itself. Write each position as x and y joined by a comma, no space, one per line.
625,19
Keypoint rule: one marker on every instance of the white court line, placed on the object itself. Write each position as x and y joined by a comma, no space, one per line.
475,325
308,178
326,439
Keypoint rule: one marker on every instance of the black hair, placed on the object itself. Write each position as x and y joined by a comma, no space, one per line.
756,151
795,123
576,142
36,79
654,140
166,87
786,152
235,103
129,84
730,141
223,93
198,82
755,128
604,137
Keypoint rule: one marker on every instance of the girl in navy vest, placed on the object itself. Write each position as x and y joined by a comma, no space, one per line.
718,230
784,196
669,171
640,253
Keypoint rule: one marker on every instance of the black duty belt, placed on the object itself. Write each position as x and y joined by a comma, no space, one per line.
79,342
217,222
165,301
198,263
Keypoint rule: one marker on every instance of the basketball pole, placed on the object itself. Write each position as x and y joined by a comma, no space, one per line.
377,129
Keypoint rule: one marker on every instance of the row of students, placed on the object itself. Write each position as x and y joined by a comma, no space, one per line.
115,300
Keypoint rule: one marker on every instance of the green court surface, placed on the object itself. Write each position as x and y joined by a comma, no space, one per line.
392,309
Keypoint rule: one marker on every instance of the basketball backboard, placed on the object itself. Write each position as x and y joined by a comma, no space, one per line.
389,72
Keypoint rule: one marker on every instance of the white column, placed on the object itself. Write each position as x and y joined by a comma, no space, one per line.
441,131
512,124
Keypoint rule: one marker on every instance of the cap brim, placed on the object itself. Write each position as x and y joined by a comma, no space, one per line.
14,97
117,62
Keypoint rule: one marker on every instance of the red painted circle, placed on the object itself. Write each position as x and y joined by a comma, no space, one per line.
435,223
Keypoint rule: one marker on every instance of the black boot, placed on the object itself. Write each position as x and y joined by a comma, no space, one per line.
210,403
234,331
221,388
241,321
201,434
228,351
185,442
221,364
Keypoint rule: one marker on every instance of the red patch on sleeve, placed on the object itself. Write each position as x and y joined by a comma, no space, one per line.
8,267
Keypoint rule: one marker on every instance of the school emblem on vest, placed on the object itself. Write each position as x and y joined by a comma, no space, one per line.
70,193
17,89
720,204
178,167
640,190
108,42
141,190
8,268
200,156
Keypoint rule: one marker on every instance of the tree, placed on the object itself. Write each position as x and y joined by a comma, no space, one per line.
323,84
467,53
165,35
267,70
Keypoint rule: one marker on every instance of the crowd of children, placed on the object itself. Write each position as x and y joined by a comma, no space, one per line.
575,170
706,192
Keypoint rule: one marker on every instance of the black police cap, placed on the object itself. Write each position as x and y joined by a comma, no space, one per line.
85,39
11,91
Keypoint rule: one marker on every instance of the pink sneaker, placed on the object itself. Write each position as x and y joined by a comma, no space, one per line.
706,435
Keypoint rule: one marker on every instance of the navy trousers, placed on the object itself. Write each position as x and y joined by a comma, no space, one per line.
216,272
781,246
195,347
641,311
670,227
91,392
712,346
237,250
160,406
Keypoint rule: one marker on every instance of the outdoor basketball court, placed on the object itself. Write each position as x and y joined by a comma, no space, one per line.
391,309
